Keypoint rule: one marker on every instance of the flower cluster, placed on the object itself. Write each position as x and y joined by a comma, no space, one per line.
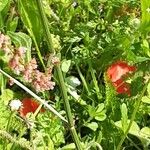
41,81
5,43
16,62
56,42
116,73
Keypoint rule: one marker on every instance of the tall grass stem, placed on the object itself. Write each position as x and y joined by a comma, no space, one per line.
60,76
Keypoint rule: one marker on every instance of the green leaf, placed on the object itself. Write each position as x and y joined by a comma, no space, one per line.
30,18
145,132
4,115
100,107
50,144
93,126
98,113
22,40
145,43
124,116
73,39
91,111
148,89
134,130
3,3
69,147
139,59
101,116
73,81
145,7
145,46
144,136
6,96
12,24
146,99
65,65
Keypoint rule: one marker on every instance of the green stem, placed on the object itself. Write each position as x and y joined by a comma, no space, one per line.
60,76
133,116
134,144
95,81
83,79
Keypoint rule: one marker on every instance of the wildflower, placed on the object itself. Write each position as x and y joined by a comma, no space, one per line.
21,51
29,70
33,64
14,64
15,104
55,60
122,87
116,72
29,105
42,81
5,43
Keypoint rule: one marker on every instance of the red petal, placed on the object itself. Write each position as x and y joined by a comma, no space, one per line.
119,69
28,106
122,87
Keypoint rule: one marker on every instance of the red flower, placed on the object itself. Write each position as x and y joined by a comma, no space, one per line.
29,105
122,87
116,72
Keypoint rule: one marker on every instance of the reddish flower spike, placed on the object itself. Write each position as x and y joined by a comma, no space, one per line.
28,106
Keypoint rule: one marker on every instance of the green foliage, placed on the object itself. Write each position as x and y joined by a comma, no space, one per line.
50,129
145,6
65,65
6,96
89,36
22,40
3,4
4,114
98,113
30,18
124,116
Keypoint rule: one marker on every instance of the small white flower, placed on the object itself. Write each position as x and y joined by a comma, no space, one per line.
15,104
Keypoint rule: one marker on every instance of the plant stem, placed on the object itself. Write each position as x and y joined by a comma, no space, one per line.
60,76
133,116
99,96
83,79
